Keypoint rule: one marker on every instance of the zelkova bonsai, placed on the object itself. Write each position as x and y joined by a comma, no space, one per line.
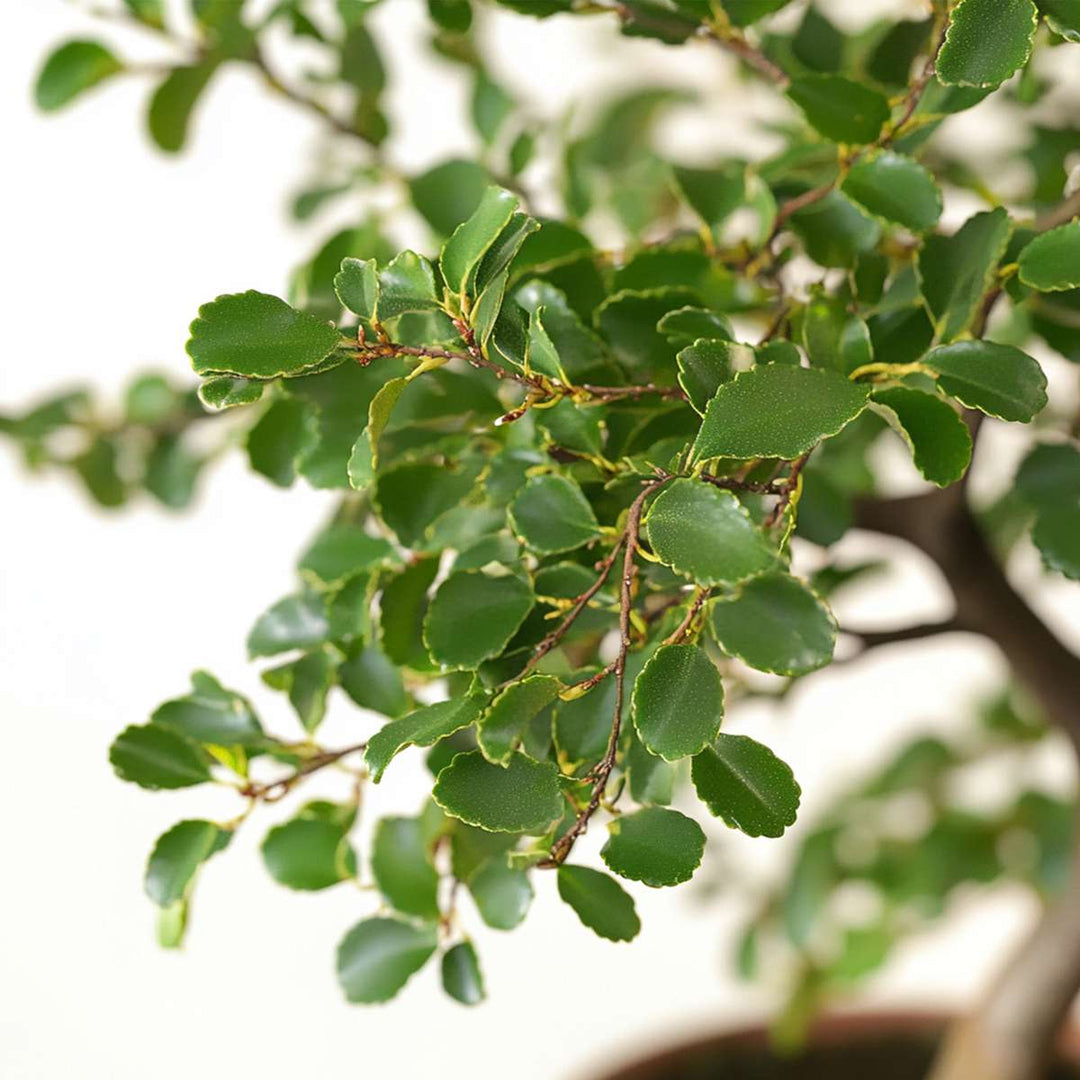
571,476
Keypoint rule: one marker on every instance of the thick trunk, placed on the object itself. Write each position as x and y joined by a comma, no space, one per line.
1010,1034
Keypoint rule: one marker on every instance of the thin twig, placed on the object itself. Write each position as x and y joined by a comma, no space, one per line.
278,789
701,594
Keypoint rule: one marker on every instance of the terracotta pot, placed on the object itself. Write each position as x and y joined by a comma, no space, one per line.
890,1046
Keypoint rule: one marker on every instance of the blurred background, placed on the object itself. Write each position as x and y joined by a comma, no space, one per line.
109,249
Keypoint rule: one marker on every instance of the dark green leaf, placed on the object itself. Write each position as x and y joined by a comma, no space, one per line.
600,902
503,726
987,41
461,976
177,856
341,551
502,893
1051,262
939,439
704,365
841,110
422,727
308,854
403,868
158,759
895,188
656,846
449,193
999,380
211,714
296,622
550,514
462,252
523,796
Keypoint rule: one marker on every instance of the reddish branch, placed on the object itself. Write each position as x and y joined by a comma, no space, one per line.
278,789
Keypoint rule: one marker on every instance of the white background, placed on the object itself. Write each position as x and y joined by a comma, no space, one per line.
108,250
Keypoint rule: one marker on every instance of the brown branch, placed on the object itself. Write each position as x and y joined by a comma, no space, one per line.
1061,214
750,55
278,789
701,594
600,775
875,639
787,490
733,483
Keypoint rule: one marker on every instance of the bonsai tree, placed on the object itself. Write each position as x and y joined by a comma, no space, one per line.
582,487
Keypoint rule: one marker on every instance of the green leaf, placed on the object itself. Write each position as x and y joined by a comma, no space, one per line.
704,365
378,956
151,12
656,846
341,551
177,856
258,336
705,533
1049,475
678,702
490,107
403,868
502,893
1051,262
523,796
449,193
652,779
686,325
225,392
503,726
401,616
956,272
775,623
411,496
939,439
987,41
841,110
158,759
406,283
1063,17
834,231
72,69
998,380
713,194
210,714
473,616
777,411
174,101
550,514
461,975
373,681
308,854
1057,536
296,622
462,252
600,902
171,925
422,727
357,287
893,187
747,785
307,681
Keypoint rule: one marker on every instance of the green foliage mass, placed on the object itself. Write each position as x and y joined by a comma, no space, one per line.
571,477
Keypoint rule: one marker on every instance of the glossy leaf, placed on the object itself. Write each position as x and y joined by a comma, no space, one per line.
777,411
840,109
378,956
462,252
258,336
705,533
177,856
939,440
600,902
678,702
891,186
987,41
656,846
775,623
550,515
473,616
747,785
157,758
523,796
1051,262
461,975
999,380
705,365
422,727
357,287
210,714
296,622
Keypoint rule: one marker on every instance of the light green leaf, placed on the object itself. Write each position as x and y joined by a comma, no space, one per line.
987,41
523,796
656,846
891,186
258,336
403,868
841,110
777,411
678,702
939,439
999,380
473,616
210,714
461,975
600,902
705,533
158,759
503,726
462,252
747,785
1051,262
225,392
72,69
956,272
308,854
550,514
378,956
172,924
177,856
357,287
296,622
775,623
151,12
502,893
174,101
422,727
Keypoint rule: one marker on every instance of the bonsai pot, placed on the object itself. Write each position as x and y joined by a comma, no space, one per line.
884,1046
